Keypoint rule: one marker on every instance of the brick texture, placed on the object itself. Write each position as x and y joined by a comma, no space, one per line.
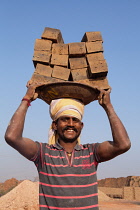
81,62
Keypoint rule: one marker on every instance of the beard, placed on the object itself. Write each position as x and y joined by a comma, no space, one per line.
65,139
68,140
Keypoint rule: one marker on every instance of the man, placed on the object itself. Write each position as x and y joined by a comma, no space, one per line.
67,169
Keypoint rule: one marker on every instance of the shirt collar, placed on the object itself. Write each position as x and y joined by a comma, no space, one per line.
59,147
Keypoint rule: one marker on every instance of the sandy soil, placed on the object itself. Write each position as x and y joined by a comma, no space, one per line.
25,197
119,205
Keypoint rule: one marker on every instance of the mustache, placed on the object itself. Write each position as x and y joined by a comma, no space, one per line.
70,127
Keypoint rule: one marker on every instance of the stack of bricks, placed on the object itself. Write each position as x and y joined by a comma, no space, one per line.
135,181
81,62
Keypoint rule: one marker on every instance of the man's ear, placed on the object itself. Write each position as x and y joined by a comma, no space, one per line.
82,125
54,125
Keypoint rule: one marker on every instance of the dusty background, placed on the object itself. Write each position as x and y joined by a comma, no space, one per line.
23,195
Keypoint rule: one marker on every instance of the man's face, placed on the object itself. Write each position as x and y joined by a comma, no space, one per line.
68,128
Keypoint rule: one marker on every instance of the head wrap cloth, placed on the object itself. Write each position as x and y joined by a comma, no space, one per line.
64,107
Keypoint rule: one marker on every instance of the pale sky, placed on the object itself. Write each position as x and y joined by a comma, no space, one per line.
21,22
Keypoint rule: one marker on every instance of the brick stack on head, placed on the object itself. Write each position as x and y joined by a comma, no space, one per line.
81,62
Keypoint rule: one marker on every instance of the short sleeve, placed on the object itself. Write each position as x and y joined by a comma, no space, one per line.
38,159
95,152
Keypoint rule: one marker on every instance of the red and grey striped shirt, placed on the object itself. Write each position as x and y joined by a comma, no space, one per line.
64,184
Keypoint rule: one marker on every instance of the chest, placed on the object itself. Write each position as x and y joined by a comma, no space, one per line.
58,161
59,169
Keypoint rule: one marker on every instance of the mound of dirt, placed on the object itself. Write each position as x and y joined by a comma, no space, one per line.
8,185
22,197
103,196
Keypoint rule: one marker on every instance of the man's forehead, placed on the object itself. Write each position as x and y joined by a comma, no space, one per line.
69,117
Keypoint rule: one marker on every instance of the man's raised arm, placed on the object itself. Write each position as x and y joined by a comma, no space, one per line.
13,135
121,142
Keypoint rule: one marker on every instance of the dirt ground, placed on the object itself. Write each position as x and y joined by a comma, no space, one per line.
25,197
119,205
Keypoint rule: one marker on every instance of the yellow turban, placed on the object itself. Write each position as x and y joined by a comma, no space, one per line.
64,107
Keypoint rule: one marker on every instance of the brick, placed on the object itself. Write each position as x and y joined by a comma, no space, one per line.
128,193
60,49
93,47
43,69
77,49
98,68
59,60
61,72
77,63
52,34
100,83
79,74
92,37
44,79
94,56
42,44
41,56
137,193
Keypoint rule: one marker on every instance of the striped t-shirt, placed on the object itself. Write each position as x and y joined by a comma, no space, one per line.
64,184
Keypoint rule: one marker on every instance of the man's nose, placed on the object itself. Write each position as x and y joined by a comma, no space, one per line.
70,122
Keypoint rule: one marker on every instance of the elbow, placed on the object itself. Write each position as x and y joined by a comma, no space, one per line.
9,138
125,146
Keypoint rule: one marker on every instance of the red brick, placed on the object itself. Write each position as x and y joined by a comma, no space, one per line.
79,74
41,56
59,60
42,44
52,34
100,83
93,47
77,63
60,49
98,68
95,56
92,36
77,49
43,69
44,79
61,72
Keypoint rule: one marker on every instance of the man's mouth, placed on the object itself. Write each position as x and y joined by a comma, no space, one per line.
70,129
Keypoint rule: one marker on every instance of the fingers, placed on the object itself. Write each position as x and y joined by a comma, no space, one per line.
29,83
109,90
104,97
100,97
34,84
32,93
35,96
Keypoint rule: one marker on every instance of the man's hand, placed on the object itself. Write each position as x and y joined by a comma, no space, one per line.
104,98
31,93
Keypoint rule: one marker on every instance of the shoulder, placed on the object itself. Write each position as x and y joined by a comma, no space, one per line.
92,148
43,146
89,145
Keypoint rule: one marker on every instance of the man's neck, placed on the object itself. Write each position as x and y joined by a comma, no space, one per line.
68,146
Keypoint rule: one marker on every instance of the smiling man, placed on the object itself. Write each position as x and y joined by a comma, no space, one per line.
67,169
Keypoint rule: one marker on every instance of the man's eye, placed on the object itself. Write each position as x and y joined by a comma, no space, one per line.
64,119
76,120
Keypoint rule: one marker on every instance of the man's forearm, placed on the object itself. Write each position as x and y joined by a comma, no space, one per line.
119,133
121,143
15,128
13,136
